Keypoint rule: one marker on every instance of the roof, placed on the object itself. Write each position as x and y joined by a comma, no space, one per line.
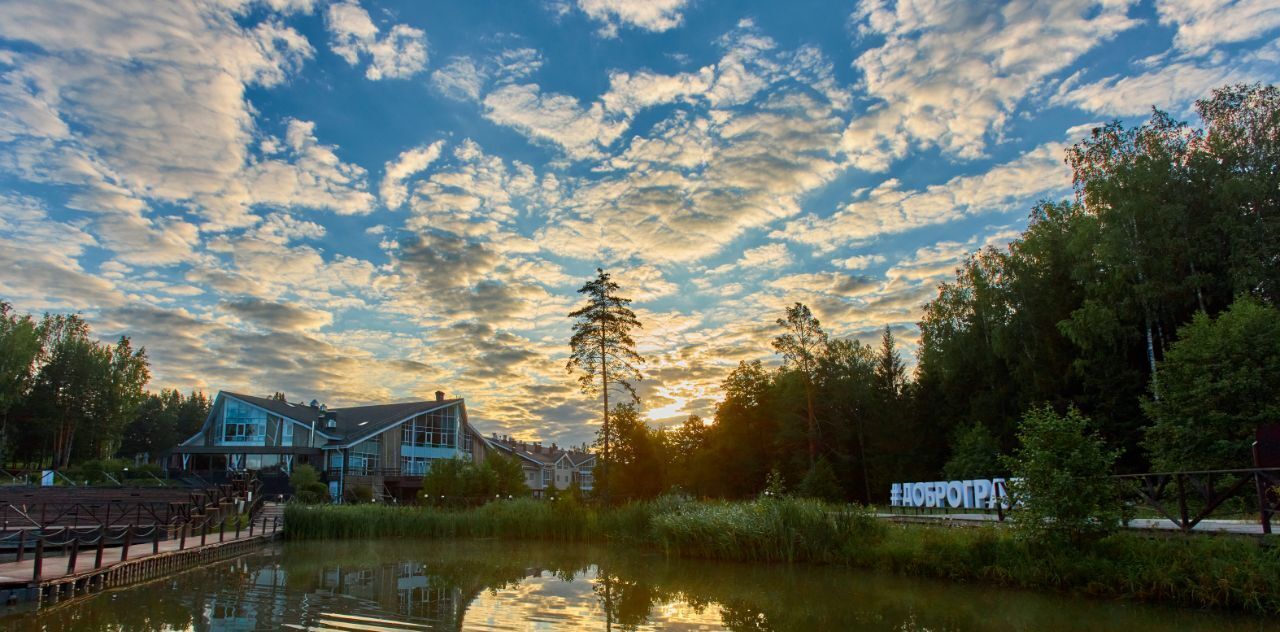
352,421
536,452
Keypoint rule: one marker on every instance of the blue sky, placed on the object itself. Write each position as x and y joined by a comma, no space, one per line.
366,201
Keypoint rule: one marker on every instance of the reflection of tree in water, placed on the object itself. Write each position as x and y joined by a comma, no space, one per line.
434,583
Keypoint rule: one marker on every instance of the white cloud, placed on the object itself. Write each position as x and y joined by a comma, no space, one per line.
859,262
460,79
1203,25
952,71
758,259
650,15
401,53
888,208
411,161
580,131
1172,86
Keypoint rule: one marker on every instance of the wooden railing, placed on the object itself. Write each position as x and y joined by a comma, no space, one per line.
51,545
1196,495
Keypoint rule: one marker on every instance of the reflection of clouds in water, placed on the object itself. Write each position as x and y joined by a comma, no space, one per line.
547,602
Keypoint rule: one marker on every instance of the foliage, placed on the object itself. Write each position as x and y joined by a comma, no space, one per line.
20,344
1060,485
975,453
307,487
497,475
162,421
820,482
801,345
1218,383
357,494
636,468
603,350
775,485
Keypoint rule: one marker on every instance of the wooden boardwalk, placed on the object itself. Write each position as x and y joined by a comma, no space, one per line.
60,577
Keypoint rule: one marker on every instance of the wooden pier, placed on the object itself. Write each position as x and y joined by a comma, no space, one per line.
91,564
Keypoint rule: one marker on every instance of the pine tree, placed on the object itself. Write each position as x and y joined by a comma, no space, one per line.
802,347
602,349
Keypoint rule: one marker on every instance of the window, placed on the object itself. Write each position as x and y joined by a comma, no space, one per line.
286,432
414,465
436,429
365,456
242,423
546,477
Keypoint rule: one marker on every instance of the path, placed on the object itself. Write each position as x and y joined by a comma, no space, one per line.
1234,527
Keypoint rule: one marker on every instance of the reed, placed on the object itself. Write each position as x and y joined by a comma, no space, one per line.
1198,571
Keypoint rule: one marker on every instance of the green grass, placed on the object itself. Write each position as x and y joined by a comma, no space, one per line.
1196,570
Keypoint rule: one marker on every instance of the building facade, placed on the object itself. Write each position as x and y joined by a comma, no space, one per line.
548,466
386,448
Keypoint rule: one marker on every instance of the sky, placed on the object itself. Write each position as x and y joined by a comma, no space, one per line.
366,201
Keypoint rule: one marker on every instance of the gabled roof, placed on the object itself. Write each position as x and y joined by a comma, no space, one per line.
353,422
539,454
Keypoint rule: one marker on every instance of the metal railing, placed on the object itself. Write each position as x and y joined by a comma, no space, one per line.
1196,495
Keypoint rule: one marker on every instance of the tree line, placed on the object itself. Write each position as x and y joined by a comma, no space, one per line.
67,398
1146,303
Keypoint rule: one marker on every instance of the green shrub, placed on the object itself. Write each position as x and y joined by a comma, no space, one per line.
821,483
1060,485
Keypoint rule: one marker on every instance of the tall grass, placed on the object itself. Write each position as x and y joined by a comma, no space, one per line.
1199,571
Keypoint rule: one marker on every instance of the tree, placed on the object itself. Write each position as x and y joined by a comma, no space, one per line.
853,399
821,483
508,476
603,351
1219,383
1061,483
635,466
20,346
801,347
975,453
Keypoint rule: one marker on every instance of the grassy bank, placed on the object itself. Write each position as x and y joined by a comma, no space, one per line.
1198,571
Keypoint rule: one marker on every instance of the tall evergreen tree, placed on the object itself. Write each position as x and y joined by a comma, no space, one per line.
801,346
603,351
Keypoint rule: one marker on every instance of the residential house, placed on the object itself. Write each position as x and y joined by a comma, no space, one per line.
544,465
385,447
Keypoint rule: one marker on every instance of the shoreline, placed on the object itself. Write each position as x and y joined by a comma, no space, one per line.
1197,571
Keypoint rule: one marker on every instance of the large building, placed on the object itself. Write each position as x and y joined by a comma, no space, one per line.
547,465
387,448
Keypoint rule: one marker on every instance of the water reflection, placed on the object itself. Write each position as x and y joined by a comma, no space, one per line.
407,585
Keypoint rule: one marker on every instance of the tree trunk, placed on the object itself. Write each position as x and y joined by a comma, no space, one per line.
1151,357
604,378
862,457
813,425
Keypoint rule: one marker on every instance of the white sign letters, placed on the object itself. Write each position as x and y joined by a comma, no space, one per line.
971,494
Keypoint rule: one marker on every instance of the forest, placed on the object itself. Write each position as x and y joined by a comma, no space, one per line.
1147,302
67,398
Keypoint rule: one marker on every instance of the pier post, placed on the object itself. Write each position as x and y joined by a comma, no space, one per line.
22,543
102,543
182,535
39,559
155,539
222,530
71,559
128,540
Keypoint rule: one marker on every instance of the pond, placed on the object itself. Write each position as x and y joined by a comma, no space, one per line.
475,585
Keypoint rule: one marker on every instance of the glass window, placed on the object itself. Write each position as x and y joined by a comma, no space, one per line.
366,456
436,429
286,432
414,465
242,423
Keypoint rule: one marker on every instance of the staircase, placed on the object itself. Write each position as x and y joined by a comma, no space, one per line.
271,511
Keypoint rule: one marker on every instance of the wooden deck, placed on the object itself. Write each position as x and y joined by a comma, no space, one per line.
60,577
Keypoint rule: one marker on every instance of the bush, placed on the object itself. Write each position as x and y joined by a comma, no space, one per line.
1060,485
307,488
821,483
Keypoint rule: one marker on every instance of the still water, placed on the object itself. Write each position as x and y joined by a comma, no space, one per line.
412,585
